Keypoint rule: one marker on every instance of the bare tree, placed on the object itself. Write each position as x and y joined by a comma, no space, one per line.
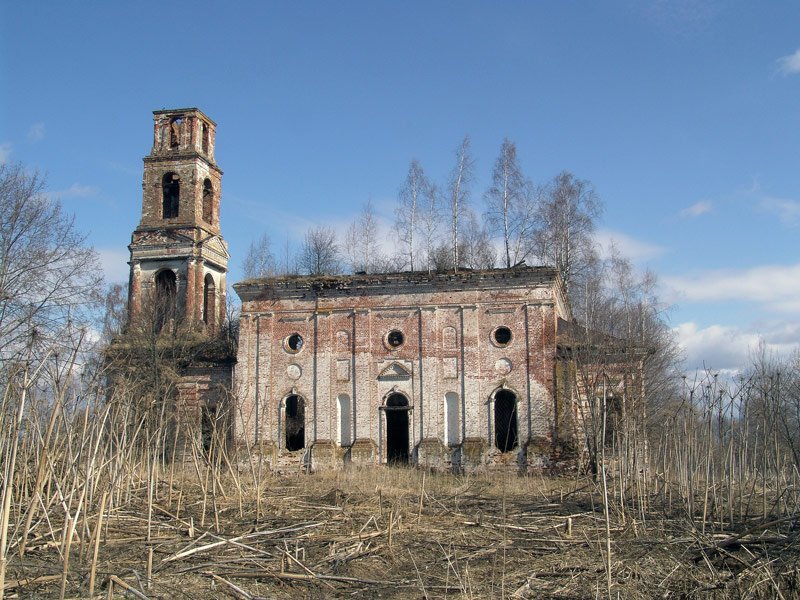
320,252
506,198
259,260
362,247
48,276
115,313
478,251
566,220
411,199
458,195
429,224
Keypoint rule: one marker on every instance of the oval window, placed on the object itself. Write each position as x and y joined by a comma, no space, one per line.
502,336
395,338
293,343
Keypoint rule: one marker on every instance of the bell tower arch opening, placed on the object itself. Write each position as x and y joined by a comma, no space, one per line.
165,297
171,195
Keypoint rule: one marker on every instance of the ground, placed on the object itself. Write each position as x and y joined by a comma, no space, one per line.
398,533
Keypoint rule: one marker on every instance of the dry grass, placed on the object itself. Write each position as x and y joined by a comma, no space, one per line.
399,533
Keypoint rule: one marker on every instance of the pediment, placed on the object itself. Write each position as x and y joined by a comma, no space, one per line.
394,372
160,238
215,244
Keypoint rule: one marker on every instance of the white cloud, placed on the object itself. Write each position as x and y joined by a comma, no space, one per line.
728,348
115,264
696,209
788,211
5,152
636,250
36,132
76,190
790,65
775,286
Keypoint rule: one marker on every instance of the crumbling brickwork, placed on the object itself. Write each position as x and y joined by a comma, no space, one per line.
179,229
453,371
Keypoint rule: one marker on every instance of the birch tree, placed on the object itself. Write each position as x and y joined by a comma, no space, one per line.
259,260
565,222
458,195
505,199
410,204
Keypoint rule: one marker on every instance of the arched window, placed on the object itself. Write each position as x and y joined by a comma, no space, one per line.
208,201
452,422
209,300
505,420
205,138
295,420
175,132
165,296
344,414
171,192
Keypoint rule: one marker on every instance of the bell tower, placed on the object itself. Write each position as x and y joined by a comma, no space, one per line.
179,260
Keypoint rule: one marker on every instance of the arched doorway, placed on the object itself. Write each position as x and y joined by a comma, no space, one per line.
294,411
397,437
166,292
505,420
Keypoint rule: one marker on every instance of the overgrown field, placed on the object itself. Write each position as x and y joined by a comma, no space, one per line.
397,533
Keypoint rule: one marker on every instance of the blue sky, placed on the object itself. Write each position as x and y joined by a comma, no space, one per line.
684,115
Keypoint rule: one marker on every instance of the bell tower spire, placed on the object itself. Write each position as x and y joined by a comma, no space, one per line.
179,260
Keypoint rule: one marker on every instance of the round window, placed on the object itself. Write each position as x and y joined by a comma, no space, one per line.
502,336
293,343
395,338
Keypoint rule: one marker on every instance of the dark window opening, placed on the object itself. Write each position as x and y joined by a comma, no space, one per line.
295,413
175,132
209,300
294,343
171,188
205,138
208,201
166,292
505,420
395,338
397,435
502,336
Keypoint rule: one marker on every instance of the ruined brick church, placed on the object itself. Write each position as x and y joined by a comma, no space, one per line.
456,371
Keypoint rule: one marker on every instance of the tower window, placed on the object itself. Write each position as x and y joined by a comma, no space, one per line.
171,187
208,201
209,300
205,138
175,132
165,296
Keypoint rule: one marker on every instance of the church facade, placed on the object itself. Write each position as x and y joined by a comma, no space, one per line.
446,370
456,371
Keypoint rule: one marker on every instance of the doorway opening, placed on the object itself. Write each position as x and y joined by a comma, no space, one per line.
505,420
397,438
295,413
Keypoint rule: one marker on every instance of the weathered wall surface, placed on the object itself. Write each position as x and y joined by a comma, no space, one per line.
449,366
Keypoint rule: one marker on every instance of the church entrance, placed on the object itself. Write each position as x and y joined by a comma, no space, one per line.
505,420
397,437
295,414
